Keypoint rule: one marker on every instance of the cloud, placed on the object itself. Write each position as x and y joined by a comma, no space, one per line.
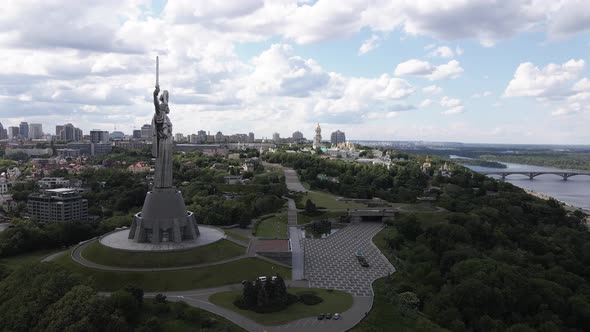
278,71
369,45
432,90
550,81
453,105
482,94
568,18
450,102
443,52
415,67
582,85
425,103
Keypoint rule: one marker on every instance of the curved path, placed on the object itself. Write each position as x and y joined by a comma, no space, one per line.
200,299
78,258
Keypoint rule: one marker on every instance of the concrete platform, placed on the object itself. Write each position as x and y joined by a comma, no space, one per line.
119,240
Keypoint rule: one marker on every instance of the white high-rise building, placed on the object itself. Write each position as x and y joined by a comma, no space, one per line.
35,131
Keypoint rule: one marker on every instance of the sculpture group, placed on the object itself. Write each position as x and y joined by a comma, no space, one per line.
164,217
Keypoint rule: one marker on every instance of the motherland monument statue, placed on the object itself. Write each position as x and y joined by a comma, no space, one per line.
164,217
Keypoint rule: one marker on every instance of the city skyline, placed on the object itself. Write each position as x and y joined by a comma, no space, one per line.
420,70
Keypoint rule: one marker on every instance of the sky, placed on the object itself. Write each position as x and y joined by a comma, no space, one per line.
481,71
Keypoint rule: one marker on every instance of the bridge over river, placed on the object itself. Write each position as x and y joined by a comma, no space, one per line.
532,174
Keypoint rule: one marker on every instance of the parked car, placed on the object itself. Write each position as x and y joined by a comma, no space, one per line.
363,262
262,278
321,316
328,316
336,316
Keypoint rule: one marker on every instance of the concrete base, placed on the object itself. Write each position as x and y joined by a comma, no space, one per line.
120,240
164,218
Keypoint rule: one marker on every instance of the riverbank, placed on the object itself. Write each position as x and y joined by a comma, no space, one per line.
567,206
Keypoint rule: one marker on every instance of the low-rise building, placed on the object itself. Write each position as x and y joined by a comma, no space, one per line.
52,183
3,186
57,205
139,167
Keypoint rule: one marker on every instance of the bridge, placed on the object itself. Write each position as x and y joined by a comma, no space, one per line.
532,174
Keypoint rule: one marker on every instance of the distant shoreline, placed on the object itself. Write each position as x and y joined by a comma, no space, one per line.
547,197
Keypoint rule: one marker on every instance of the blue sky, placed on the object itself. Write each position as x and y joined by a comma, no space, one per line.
453,70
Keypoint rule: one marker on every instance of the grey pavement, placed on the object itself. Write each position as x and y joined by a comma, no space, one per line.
53,256
4,226
297,254
331,263
292,180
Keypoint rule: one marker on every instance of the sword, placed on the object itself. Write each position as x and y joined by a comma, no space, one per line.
157,71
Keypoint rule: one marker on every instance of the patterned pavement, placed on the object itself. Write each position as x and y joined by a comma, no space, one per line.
331,263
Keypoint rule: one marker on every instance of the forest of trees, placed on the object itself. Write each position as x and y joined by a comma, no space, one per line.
115,194
502,260
402,183
46,297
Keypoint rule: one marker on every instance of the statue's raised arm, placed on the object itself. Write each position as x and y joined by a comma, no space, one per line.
156,103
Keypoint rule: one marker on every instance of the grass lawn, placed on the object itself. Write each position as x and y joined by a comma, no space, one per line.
328,201
205,277
303,219
238,236
193,319
19,260
334,301
220,250
274,227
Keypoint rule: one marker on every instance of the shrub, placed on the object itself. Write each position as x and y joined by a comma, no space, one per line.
310,299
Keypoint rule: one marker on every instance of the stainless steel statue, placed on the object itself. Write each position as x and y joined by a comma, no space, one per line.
164,217
162,141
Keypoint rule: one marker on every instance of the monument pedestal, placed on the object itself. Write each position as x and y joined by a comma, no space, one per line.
164,218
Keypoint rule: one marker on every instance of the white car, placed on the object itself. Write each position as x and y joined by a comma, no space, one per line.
336,316
262,278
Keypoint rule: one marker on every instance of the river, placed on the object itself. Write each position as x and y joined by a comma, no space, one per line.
574,191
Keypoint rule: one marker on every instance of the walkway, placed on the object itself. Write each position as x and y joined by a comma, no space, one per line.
297,254
292,181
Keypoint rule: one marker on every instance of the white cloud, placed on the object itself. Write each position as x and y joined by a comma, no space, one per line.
369,45
453,105
415,67
458,51
432,90
582,85
453,110
425,103
443,52
450,102
531,81
482,94
450,70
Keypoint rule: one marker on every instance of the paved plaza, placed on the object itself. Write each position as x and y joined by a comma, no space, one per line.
331,263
